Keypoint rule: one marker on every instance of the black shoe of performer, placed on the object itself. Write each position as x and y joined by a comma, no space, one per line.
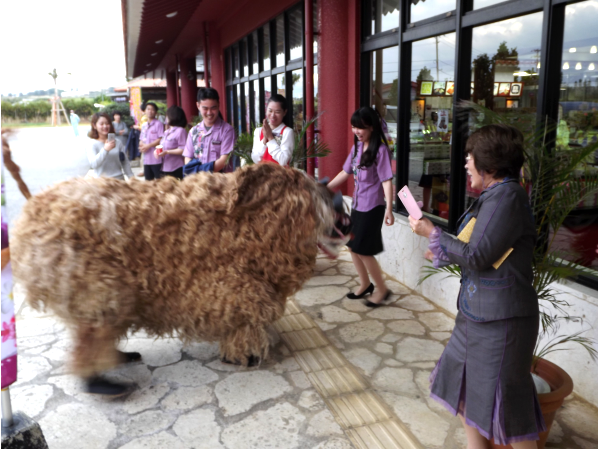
367,291
129,357
97,385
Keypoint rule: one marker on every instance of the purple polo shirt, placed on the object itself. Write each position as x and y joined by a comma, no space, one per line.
174,137
209,145
368,192
150,132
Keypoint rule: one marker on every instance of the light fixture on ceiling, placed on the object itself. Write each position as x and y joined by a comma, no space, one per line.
148,65
154,54
591,66
594,49
578,66
566,66
172,14
572,50
160,41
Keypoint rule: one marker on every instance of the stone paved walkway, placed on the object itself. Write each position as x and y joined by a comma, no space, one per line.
186,398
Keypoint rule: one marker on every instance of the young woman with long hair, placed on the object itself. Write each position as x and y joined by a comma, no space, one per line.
106,158
369,163
173,143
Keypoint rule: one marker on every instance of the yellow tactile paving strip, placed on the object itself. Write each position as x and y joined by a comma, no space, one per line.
356,407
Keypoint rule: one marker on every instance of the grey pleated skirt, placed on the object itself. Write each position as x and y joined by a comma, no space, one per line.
484,375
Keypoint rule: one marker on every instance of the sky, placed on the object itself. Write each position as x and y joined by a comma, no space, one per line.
81,37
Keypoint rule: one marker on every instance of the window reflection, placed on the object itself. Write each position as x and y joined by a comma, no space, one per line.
239,120
385,15
280,85
421,9
384,73
266,47
280,41
267,92
254,53
578,125
297,81
296,34
247,124
505,68
256,100
236,60
431,124
243,53
477,4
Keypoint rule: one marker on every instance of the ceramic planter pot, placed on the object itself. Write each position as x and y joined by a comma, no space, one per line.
561,386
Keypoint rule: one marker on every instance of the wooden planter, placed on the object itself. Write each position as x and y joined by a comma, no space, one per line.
561,386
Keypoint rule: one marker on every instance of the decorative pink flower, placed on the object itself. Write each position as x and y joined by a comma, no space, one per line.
9,331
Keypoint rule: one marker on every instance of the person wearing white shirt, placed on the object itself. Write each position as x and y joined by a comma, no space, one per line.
274,141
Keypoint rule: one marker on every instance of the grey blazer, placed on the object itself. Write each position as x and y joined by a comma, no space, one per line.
503,220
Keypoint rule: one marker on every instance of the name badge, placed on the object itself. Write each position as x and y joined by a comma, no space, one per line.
216,142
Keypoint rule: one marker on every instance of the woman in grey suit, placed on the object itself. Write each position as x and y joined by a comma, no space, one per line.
484,373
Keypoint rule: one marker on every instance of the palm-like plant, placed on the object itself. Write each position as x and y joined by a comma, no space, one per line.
303,150
557,179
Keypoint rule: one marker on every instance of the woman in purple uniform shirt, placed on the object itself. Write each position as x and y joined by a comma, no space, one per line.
173,142
212,140
369,163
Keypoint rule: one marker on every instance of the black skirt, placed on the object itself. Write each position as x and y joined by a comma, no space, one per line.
367,231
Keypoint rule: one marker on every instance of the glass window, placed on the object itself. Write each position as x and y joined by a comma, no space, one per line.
267,92
432,88
315,19
254,53
229,100
477,4
384,73
236,60
297,99
280,41
256,101
421,10
578,125
385,15
296,34
243,52
280,85
266,47
505,67
247,123
239,120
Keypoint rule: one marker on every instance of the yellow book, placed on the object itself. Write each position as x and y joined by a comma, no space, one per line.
465,236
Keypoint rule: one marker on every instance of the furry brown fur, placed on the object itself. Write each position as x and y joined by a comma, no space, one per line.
213,257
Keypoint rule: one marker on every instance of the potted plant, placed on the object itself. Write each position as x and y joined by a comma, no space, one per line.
303,150
557,177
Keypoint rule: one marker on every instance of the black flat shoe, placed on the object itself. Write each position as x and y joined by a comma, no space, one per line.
367,291
129,357
97,385
378,304
252,361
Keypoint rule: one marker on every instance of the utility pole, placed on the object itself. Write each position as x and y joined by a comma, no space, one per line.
57,105
437,76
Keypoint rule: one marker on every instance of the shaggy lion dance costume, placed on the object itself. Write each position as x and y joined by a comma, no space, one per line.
213,257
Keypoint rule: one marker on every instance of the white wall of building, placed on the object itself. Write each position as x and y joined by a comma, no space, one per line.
403,259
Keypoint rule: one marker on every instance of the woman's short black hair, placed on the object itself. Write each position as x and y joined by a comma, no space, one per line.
208,93
277,98
176,116
498,150
115,113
